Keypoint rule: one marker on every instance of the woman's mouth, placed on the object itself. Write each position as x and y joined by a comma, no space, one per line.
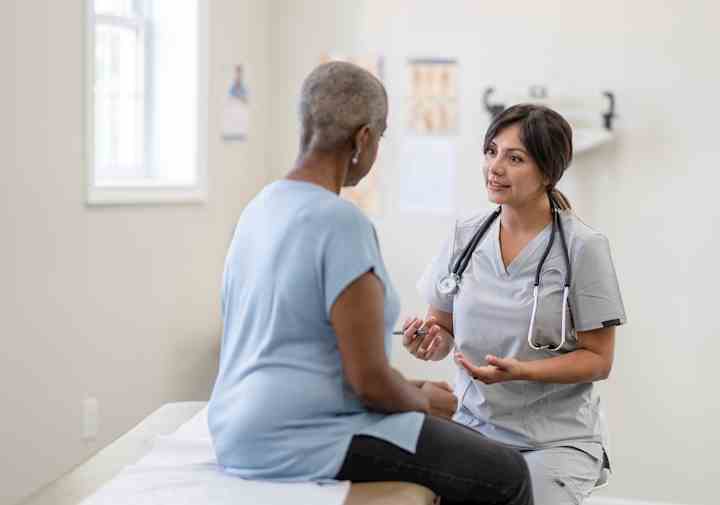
496,186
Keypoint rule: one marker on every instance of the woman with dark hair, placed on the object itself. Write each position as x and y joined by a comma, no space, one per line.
305,390
527,299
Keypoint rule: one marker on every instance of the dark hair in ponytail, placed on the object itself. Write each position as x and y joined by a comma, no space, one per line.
547,137
561,201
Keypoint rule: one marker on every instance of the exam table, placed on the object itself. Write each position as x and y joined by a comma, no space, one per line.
167,459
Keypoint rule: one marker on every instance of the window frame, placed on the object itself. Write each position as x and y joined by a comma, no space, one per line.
149,191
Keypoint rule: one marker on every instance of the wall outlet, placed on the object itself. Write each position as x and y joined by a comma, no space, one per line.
91,418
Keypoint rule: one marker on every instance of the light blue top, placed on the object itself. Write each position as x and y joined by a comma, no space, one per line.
282,408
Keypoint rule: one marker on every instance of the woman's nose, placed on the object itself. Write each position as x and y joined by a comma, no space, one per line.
495,166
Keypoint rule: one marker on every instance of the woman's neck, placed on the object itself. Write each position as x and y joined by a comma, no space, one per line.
326,169
529,218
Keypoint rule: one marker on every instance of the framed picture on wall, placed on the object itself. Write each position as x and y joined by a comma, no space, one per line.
433,100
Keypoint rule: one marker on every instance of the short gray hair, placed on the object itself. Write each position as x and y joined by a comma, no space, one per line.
336,99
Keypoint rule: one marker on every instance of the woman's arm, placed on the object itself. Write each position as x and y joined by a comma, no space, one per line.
439,340
591,361
357,317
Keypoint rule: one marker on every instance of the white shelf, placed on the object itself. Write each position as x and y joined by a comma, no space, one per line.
585,139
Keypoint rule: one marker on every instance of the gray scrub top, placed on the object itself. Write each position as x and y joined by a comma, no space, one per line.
491,315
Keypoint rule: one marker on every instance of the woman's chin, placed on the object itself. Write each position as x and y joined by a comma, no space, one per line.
496,198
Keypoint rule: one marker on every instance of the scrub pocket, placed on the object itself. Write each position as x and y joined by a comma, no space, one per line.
562,475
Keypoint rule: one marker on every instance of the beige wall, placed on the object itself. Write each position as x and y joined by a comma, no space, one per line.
653,192
119,303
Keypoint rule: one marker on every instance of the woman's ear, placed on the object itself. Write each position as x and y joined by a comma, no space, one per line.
362,137
361,142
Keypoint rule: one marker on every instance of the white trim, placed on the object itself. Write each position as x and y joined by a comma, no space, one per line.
89,91
203,98
139,196
142,194
133,23
602,500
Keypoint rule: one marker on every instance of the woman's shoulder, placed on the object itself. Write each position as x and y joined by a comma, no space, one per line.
309,206
579,234
474,220
337,215
346,213
465,227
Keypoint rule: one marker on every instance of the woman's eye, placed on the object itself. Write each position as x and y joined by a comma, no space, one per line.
516,159
489,152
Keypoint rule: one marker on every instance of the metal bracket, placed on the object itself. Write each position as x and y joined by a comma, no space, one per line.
610,114
493,109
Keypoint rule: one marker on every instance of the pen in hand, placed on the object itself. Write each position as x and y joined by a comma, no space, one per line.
420,332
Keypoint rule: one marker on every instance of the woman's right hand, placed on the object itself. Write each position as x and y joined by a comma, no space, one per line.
443,403
434,346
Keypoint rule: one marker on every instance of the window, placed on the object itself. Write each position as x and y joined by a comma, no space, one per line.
146,83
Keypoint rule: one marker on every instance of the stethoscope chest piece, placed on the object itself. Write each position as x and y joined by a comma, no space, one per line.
449,284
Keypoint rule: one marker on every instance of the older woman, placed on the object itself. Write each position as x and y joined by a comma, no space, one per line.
305,390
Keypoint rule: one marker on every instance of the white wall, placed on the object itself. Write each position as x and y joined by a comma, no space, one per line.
652,192
120,303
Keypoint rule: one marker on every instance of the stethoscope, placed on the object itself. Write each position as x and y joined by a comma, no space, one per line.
449,285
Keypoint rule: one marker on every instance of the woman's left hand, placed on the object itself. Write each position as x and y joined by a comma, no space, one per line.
496,370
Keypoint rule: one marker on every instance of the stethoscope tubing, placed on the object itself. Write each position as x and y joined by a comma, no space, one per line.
463,262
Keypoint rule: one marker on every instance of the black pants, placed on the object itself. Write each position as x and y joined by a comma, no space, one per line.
455,462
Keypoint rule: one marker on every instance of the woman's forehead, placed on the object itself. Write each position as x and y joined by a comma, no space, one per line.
509,138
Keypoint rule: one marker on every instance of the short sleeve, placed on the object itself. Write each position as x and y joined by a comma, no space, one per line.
350,250
436,270
595,296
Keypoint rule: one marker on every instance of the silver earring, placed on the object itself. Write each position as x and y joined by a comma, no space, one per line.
356,158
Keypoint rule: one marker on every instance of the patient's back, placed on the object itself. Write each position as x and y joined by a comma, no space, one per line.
281,407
